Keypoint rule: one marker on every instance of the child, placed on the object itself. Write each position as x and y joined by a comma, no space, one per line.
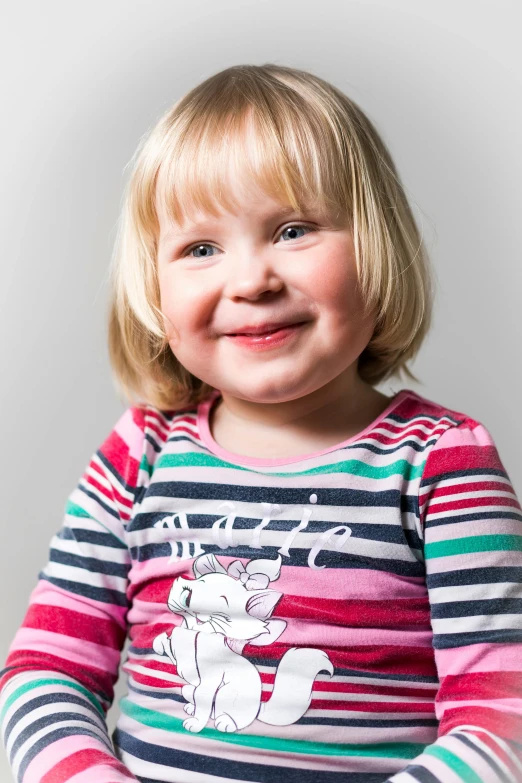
320,583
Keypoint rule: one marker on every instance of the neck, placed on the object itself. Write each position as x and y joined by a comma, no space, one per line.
326,416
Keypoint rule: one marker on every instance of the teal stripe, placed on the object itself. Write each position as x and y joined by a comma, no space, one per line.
353,466
465,546
29,686
456,764
159,720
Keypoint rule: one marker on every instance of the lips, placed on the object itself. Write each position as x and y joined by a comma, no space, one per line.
267,328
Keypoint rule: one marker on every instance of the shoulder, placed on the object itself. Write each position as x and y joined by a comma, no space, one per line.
441,424
457,444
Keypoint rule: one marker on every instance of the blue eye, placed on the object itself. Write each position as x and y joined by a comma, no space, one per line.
292,227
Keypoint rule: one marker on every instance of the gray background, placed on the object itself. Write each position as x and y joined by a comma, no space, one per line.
81,83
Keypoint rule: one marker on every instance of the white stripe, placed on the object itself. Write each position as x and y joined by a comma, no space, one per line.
82,576
481,622
474,592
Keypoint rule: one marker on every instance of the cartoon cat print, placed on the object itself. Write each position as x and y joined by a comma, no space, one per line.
223,610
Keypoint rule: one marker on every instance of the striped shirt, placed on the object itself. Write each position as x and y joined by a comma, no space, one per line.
354,614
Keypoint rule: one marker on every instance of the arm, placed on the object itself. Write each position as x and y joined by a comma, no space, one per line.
472,523
57,684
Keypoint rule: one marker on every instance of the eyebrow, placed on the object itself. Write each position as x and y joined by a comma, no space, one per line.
174,231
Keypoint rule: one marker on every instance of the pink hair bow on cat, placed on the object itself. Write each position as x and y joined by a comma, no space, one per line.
251,581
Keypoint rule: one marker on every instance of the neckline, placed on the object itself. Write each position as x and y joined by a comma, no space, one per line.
203,419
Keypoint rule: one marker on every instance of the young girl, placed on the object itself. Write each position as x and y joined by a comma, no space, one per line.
319,582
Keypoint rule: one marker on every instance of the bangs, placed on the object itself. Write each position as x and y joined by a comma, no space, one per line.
287,155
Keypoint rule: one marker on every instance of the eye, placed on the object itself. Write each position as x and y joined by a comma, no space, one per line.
201,245
297,226
186,594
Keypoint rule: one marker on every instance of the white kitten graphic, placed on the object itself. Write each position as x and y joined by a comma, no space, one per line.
222,610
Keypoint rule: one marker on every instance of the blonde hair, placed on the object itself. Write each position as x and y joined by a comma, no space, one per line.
312,144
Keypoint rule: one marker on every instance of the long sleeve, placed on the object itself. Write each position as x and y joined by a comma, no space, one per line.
472,525
57,684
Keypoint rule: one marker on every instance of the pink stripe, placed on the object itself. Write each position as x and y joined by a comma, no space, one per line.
361,583
479,658
298,632
454,436
474,527
131,434
63,646
50,595
52,754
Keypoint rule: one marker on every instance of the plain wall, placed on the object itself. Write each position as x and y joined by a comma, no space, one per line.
82,82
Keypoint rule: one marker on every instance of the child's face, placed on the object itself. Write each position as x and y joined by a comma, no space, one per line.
253,270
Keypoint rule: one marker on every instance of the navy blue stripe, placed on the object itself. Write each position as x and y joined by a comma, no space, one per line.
473,608
235,770
500,636
156,445
56,698
88,591
422,774
485,472
453,519
285,496
475,576
82,535
91,564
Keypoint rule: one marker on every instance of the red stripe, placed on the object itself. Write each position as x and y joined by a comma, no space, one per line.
455,458
389,613
154,682
472,503
481,685
465,486
80,761
75,624
371,659
95,680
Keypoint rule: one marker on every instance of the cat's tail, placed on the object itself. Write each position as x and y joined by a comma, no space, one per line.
293,683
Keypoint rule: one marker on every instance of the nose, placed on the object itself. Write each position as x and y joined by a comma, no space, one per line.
251,278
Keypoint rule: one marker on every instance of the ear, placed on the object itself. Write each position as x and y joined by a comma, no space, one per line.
271,568
207,564
263,603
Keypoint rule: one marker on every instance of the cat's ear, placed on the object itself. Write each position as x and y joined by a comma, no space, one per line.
263,603
207,564
270,568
